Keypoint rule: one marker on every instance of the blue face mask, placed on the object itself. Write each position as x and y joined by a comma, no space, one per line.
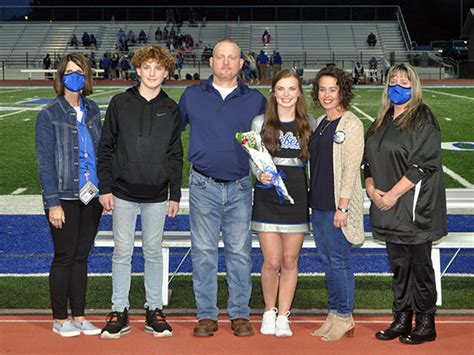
398,94
74,81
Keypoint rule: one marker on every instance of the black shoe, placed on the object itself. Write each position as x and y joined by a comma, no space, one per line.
400,326
424,330
116,325
156,323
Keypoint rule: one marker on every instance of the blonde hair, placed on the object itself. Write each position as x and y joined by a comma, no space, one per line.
161,55
416,102
81,62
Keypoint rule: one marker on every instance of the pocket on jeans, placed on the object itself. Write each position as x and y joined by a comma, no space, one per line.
245,184
197,181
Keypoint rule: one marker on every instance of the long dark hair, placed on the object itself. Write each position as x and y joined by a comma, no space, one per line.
272,125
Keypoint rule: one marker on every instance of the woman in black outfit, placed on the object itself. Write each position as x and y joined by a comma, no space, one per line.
404,180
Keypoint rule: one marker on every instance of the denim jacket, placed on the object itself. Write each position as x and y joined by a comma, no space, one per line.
57,148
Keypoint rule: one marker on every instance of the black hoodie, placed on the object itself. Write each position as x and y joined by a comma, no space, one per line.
140,151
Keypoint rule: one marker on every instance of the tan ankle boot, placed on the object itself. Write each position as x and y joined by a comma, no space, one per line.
327,325
342,327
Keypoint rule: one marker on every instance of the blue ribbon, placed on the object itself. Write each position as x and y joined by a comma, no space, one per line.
274,182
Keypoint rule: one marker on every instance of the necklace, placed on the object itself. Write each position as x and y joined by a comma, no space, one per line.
324,128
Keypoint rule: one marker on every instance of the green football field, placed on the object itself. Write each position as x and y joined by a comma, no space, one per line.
453,107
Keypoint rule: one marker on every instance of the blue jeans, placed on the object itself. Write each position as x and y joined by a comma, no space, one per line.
214,207
124,218
335,253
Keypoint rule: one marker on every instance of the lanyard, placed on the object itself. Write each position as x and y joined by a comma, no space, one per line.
84,139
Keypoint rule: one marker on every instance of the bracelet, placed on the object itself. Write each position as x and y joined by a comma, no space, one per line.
343,210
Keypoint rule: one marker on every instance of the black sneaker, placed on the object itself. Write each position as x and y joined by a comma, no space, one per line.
116,325
156,323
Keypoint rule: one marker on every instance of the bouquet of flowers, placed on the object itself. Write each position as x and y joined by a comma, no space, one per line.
251,142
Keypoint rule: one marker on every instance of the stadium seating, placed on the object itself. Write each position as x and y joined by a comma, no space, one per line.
309,44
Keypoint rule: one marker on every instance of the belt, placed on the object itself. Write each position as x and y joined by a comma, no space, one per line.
219,181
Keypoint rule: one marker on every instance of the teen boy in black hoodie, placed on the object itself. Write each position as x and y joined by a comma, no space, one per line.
140,163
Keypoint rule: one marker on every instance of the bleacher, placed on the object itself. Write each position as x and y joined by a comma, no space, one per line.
311,44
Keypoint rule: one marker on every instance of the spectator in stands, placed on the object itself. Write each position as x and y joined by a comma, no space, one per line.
169,12
132,39
371,39
263,63
358,73
188,76
255,72
114,65
142,38
57,59
122,45
47,65
336,148
105,65
246,72
172,34
220,187
158,34
121,35
125,67
206,53
67,173
285,129
276,63
73,41
86,40
179,63
404,181
385,68
166,34
266,37
93,41
140,165
196,76
373,70
92,60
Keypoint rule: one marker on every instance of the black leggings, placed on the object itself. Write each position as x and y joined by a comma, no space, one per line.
414,285
72,243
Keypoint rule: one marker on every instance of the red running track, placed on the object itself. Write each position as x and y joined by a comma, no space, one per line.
33,335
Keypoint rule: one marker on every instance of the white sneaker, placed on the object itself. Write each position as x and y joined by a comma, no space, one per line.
268,322
86,328
282,326
67,329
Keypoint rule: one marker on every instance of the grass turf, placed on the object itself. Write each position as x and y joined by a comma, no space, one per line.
18,161
372,292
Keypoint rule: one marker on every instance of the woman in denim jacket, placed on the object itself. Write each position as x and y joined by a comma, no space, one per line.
67,137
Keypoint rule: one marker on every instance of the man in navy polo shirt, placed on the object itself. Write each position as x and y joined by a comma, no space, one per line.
220,187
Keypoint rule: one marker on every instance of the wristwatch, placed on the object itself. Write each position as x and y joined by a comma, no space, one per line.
343,210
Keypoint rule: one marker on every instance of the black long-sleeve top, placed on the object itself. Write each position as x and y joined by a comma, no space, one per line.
140,150
392,153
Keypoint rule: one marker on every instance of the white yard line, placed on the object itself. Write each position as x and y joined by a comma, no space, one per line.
370,118
12,113
18,191
457,177
448,94
8,91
